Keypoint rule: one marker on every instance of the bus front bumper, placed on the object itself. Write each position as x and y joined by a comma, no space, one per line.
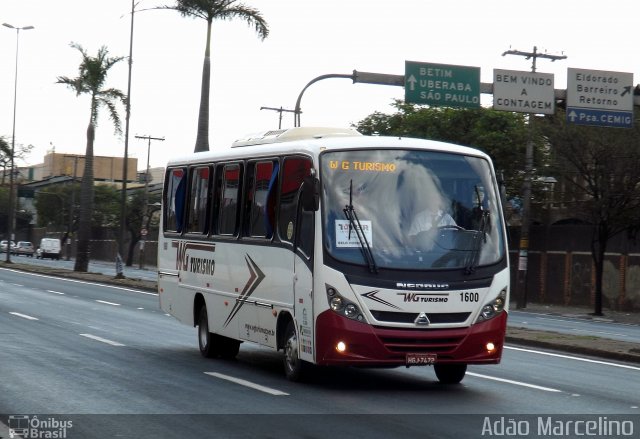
374,346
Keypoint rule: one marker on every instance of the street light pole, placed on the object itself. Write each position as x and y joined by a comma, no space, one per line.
12,191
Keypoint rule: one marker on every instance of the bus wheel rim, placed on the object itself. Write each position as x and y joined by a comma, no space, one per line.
291,352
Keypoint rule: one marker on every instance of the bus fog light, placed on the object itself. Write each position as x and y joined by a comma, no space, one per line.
341,347
490,347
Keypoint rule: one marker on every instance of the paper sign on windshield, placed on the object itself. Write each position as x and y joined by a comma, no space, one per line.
342,234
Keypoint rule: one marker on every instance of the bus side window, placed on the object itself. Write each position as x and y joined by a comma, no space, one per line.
199,199
228,217
174,204
294,170
260,194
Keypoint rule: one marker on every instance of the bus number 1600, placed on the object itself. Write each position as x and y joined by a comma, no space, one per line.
469,297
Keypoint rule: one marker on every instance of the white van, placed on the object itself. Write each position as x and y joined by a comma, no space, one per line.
49,248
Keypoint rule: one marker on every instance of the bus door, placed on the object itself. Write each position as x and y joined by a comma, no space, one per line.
303,276
170,257
296,226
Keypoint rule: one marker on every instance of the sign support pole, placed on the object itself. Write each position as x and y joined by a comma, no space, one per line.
523,248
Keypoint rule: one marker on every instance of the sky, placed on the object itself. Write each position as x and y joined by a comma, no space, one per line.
308,38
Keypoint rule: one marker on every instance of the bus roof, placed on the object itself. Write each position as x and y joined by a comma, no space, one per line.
291,134
312,141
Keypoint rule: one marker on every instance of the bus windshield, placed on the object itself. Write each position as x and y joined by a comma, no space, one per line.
410,209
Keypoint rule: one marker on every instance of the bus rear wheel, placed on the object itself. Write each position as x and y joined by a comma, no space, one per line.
450,373
294,367
227,347
214,345
206,340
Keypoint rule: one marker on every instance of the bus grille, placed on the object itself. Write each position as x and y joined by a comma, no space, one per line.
409,317
419,342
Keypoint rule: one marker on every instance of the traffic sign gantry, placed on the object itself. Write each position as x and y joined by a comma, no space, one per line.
524,92
601,98
442,85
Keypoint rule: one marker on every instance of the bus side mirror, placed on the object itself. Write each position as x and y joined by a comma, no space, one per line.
310,194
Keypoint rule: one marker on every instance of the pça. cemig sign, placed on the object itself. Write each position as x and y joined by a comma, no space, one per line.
600,98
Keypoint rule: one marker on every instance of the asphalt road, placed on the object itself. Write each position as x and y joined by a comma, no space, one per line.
78,350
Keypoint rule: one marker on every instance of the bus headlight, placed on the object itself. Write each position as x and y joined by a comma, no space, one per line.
493,308
342,306
336,303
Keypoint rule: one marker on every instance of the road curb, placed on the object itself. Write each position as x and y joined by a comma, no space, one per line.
610,350
139,284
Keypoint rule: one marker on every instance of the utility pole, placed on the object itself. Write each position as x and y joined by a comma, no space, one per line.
279,110
125,162
71,207
143,231
523,249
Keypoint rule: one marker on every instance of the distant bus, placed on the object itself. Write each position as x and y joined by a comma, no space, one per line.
338,249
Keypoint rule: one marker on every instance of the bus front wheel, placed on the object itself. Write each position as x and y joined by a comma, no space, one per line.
293,366
450,373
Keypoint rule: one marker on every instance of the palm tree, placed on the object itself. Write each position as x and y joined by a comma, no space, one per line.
210,10
91,81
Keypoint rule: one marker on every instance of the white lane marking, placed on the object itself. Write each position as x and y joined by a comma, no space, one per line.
24,316
108,303
139,308
55,292
81,282
586,360
246,383
17,285
517,383
103,340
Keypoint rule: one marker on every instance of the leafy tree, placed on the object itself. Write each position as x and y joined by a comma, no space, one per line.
4,210
500,134
602,166
107,206
53,206
5,156
91,81
210,10
136,219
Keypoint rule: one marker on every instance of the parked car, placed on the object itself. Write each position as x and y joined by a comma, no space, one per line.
24,248
3,246
49,248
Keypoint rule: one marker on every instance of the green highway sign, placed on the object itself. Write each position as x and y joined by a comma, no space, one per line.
442,85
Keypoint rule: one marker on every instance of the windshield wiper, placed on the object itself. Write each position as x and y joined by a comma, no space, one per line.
354,224
479,238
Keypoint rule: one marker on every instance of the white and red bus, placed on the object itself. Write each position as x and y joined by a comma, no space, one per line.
338,249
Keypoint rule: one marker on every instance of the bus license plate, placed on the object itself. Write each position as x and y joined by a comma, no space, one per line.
421,359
